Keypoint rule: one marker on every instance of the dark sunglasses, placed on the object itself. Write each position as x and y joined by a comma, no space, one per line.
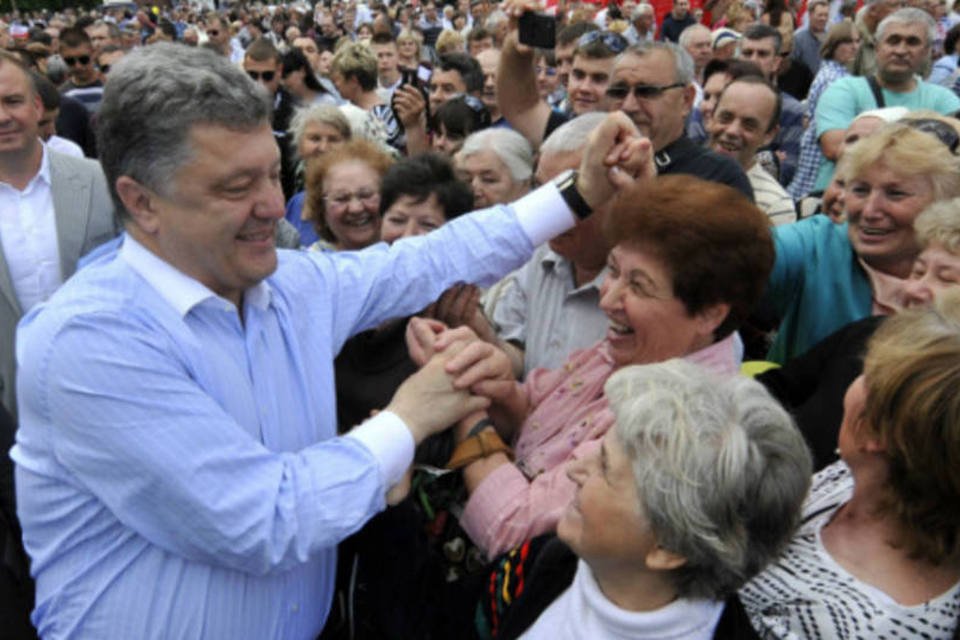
213,32
104,68
82,60
613,41
943,132
621,90
266,75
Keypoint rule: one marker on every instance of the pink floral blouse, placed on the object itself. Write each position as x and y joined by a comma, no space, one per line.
569,417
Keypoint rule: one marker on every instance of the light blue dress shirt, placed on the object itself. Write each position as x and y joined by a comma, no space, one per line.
177,469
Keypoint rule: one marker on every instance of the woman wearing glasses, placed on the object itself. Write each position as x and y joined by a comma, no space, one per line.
343,196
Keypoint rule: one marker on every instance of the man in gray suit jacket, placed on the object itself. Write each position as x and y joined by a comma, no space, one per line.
53,209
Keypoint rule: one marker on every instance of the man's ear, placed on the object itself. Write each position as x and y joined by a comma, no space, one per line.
660,559
140,202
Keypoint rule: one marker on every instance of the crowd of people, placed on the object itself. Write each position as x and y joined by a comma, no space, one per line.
374,320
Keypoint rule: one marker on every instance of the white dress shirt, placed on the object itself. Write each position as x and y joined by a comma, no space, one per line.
28,237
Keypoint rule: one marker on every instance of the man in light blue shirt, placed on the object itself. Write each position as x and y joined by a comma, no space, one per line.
177,468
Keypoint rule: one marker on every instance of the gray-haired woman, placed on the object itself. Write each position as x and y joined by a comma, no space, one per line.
694,491
497,164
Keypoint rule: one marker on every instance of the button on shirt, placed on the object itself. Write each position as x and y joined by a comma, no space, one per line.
28,233
178,472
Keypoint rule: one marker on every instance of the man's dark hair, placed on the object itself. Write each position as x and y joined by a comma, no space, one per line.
734,67
74,37
468,68
759,80
294,60
47,91
572,32
382,37
761,31
262,50
424,175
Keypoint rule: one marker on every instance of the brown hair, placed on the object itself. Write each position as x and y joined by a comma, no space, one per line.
358,150
837,35
714,241
912,373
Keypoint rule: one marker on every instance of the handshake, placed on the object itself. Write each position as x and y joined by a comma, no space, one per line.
459,375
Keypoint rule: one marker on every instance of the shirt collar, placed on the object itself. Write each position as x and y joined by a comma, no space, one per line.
181,291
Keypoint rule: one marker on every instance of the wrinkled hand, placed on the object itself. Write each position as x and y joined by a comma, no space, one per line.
617,157
427,401
460,306
478,366
410,105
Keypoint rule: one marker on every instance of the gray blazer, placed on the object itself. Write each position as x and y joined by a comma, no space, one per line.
84,217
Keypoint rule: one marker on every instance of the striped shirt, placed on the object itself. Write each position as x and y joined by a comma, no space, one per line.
772,199
806,594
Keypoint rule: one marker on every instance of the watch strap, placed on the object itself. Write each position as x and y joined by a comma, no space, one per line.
482,445
567,186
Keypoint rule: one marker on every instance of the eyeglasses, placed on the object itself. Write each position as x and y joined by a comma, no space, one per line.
366,197
613,41
213,32
550,71
943,132
104,68
266,75
81,60
621,90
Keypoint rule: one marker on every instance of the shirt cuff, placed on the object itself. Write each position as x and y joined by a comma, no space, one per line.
543,214
387,437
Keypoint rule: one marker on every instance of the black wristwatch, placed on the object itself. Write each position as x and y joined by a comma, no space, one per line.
567,186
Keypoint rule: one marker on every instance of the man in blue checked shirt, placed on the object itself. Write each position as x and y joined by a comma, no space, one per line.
177,467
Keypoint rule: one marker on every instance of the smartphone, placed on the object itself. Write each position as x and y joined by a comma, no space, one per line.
537,30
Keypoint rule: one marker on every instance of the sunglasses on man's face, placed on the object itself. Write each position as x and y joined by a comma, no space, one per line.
81,60
620,90
213,32
266,75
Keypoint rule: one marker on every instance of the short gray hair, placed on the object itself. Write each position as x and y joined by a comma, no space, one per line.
155,96
641,10
512,148
908,15
689,32
573,135
683,63
720,469
320,113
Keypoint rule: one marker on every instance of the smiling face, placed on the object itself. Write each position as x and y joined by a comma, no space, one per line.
935,270
881,207
217,223
588,82
351,192
20,113
407,218
490,179
603,524
648,323
742,120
